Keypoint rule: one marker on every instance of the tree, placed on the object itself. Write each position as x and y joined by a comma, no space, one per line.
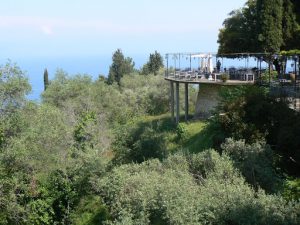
46,79
120,66
14,86
292,12
239,31
261,26
270,16
154,64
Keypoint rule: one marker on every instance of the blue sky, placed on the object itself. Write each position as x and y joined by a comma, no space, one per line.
57,28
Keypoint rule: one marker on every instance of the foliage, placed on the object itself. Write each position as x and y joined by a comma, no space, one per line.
255,163
46,79
261,26
90,211
46,139
60,158
291,52
290,27
181,132
239,31
154,64
82,135
292,189
231,114
64,87
149,92
136,96
224,77
120,67
195,189
138,143
266,76
270,35
250,113
14,86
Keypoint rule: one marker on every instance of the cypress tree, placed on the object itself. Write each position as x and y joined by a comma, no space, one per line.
270,15
46,79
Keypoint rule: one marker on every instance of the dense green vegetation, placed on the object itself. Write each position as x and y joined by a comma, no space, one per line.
261,26
153,65
96,152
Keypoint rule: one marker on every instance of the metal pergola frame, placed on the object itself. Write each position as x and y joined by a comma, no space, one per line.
259,56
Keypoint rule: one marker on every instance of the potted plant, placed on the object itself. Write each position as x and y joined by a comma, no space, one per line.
224,77
292,77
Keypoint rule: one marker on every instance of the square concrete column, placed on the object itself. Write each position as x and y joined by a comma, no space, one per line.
172,99
186,101
177,102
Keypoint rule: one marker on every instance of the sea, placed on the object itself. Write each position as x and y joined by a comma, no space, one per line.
93,66
98,65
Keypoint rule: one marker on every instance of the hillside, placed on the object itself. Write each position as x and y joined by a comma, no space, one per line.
97,153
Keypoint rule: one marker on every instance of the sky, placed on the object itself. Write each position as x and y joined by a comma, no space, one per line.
64,28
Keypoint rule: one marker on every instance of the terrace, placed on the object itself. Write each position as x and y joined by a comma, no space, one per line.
208,70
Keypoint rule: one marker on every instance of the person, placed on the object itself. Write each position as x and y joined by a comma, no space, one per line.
218,66
277,65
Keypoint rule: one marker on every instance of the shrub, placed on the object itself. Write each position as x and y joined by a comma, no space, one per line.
251,114
204,188
292,189
136,142
90,211
181,133
255,162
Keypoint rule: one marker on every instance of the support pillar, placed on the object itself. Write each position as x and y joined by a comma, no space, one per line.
172,99
186,101
177,102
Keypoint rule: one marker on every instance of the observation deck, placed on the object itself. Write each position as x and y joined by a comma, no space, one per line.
207,70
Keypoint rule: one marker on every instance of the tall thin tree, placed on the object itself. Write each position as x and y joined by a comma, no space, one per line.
46,79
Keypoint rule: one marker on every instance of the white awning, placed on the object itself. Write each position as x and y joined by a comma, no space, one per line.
200,56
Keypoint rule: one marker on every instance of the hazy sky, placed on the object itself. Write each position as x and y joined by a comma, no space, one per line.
39,28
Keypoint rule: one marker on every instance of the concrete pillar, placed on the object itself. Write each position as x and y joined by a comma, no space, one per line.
177,102
172,99
186,101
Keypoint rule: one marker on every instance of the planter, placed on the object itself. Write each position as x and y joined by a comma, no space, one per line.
292,77
224,77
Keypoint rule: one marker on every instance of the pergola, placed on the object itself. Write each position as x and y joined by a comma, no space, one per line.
178,58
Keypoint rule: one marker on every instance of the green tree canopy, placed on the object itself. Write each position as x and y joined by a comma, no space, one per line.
154,64
270,35
120,66
14,86
261,26
239,31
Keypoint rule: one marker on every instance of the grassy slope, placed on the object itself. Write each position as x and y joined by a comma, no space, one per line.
197,136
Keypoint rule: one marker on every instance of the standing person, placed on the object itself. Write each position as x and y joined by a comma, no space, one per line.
218,66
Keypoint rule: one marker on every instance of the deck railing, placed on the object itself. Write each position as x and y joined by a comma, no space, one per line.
245,75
